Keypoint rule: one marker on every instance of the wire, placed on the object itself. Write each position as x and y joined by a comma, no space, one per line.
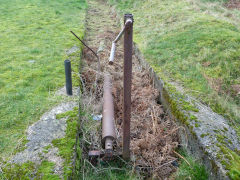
84,44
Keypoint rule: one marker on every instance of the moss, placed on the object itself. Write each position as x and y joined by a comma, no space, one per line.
70,114
176,102
221,139
204,135
66,144
193,118
45,149
231,161
197,125
191,127
17,171
189,107
29,170
219,156
174,105
225,129
237,151
45,171
179,105
187,123
229,141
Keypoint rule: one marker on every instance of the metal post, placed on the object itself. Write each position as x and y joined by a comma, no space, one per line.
68,75
128,42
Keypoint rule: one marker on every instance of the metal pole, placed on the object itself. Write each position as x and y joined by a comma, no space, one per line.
128,41
68,75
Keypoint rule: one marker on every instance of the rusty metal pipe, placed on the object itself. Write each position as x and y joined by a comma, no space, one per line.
128,42
119,35
111,59
108,123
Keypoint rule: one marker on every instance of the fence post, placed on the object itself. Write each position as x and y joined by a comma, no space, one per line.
68,75
128,42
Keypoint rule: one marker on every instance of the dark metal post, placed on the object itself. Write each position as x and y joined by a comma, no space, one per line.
68,75
128,42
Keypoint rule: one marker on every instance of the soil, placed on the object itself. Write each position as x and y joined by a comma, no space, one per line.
153,133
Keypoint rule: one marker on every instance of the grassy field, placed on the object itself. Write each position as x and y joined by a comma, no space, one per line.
34,36
194,43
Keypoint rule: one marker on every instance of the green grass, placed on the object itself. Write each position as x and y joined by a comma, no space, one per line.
117,170
38,31
195,170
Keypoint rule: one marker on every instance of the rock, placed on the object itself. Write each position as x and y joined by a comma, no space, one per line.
41,134
62,91
72,50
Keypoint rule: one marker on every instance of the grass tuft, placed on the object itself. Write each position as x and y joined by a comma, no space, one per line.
194,171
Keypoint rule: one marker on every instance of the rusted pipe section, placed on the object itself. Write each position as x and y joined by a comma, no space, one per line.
108,123
128,42
111,59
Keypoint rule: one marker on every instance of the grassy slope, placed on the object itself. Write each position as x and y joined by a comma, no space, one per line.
190,44
32,30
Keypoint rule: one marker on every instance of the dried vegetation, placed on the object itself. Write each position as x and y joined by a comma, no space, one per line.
153,133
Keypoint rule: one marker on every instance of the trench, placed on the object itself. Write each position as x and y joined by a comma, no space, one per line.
154,135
